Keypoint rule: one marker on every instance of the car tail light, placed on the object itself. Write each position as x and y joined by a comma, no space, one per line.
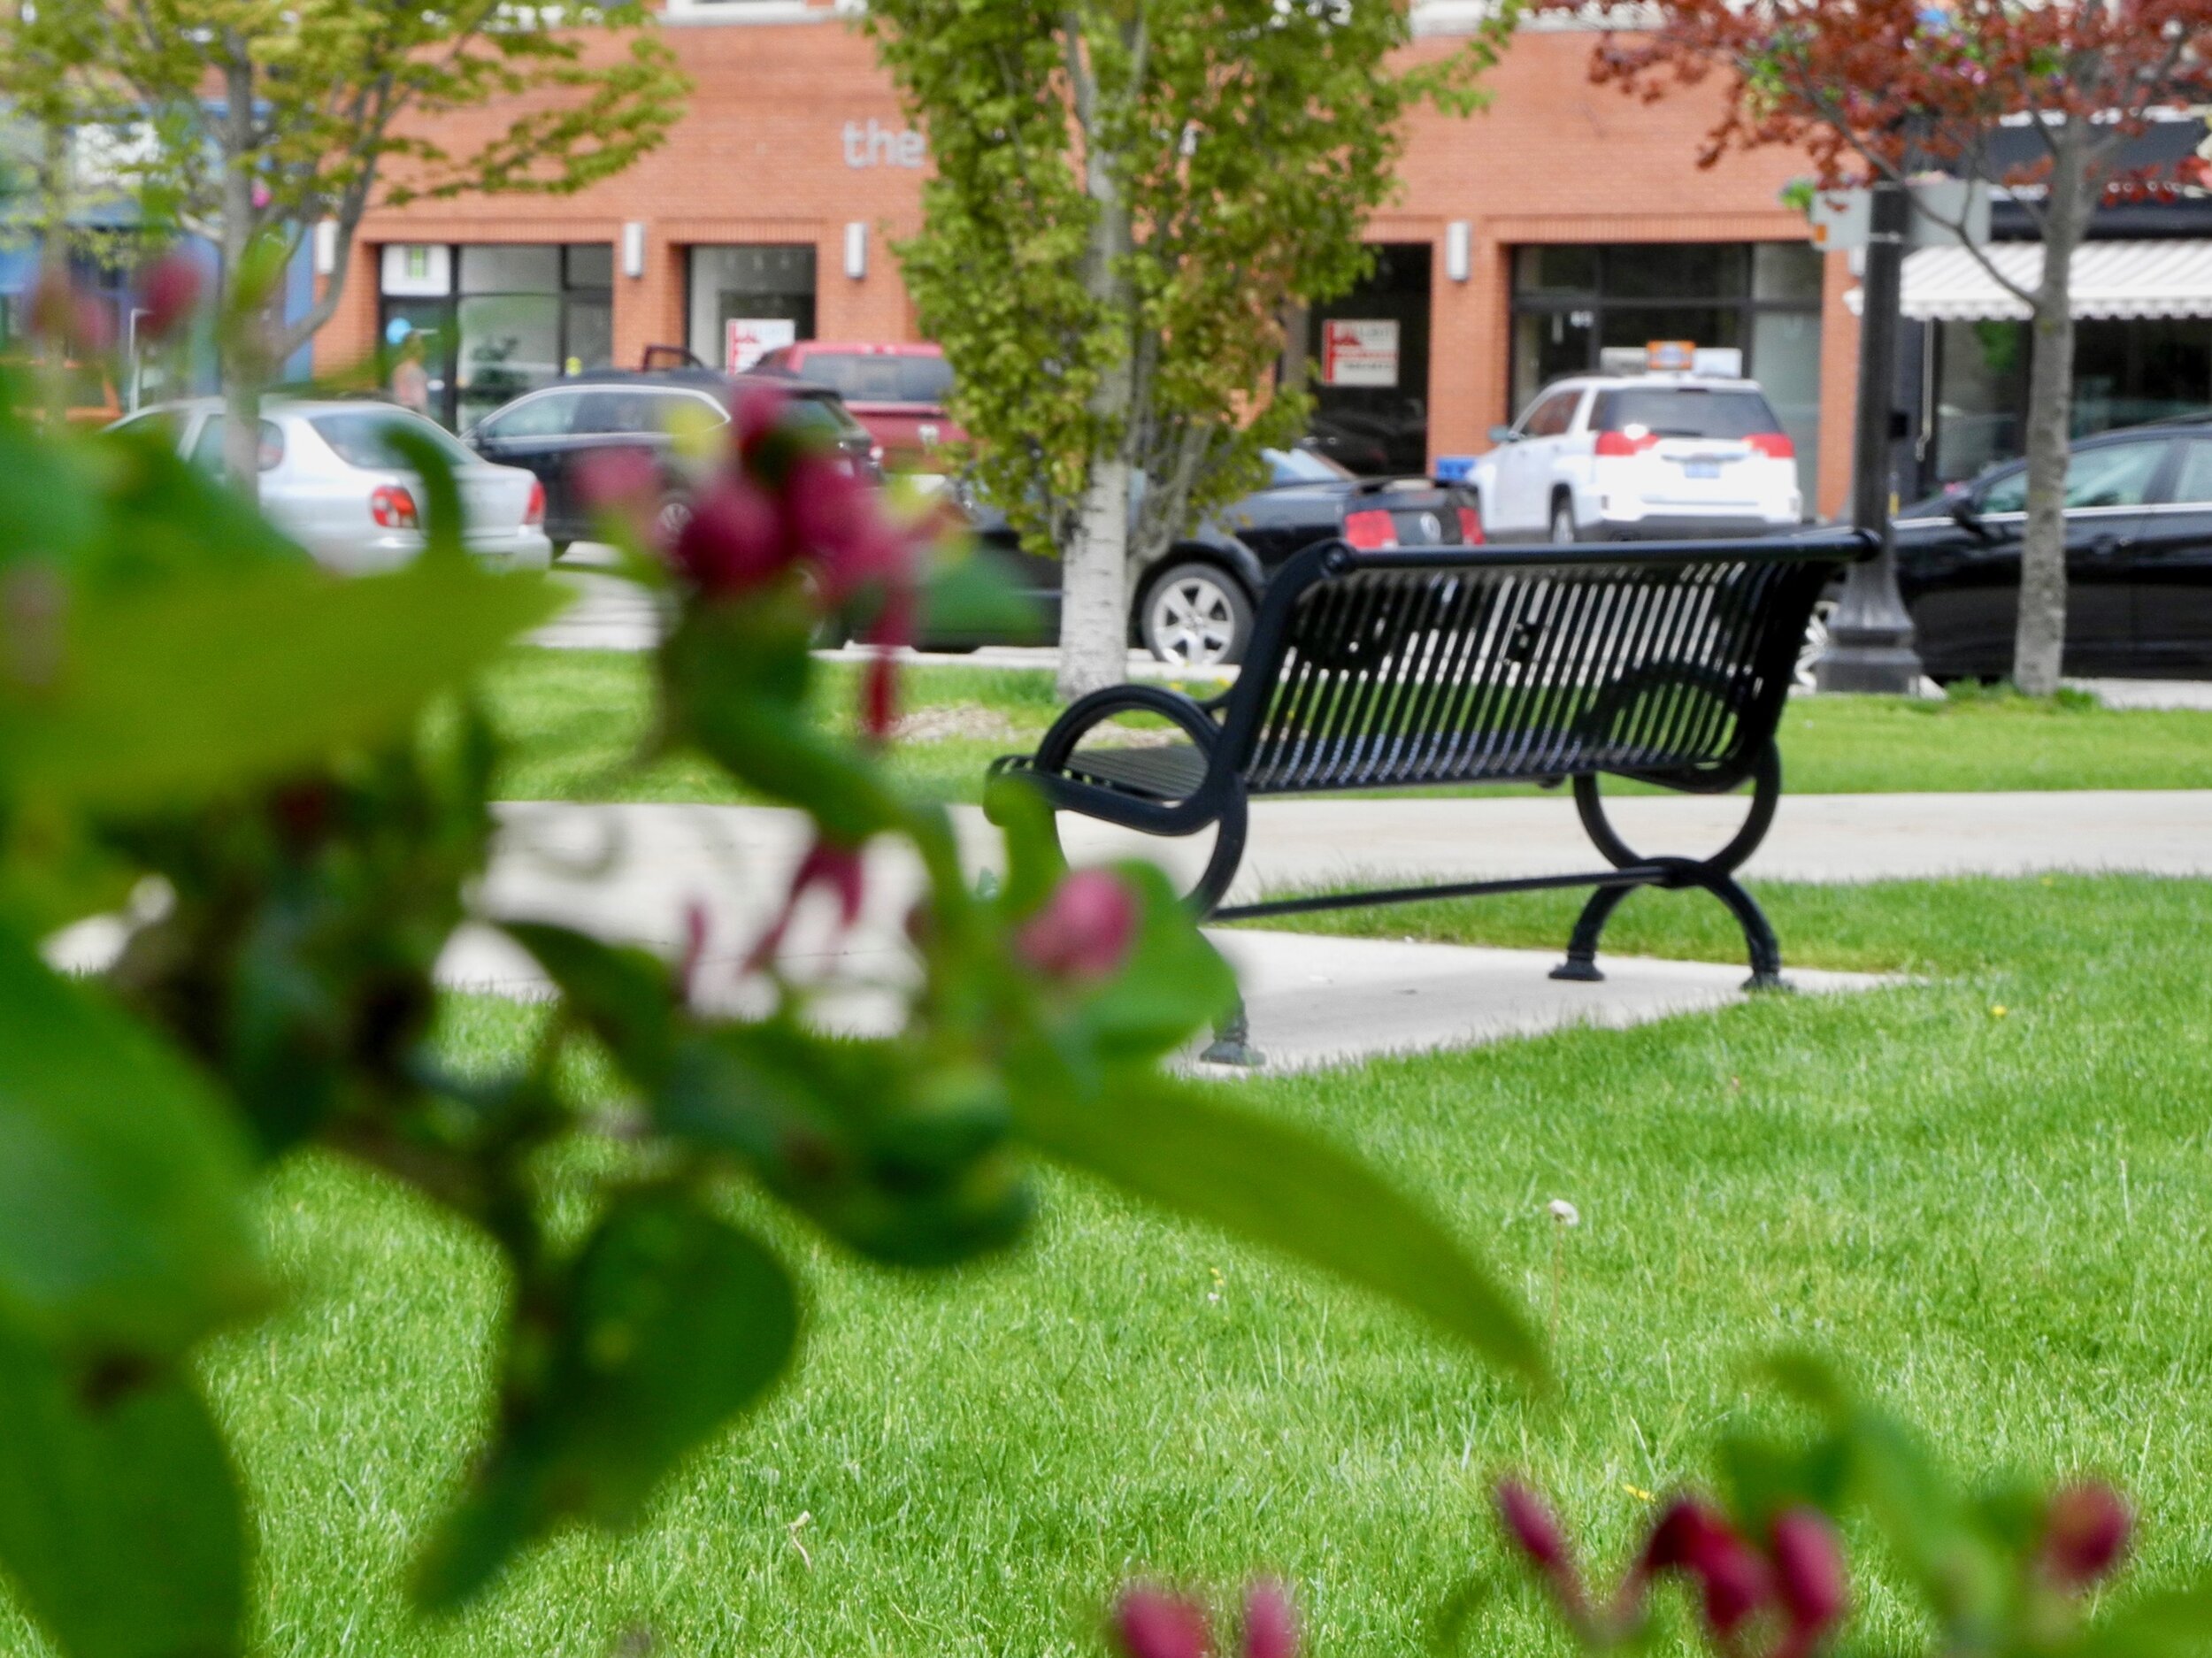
1620,445
392,507
533,515
1470,526
1371,531
1774,445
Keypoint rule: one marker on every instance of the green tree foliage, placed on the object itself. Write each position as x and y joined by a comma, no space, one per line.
1128,195
252,121
294,764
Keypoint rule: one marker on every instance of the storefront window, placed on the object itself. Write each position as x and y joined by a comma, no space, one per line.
468,328
747,300
1571,302
2125,372
1368,352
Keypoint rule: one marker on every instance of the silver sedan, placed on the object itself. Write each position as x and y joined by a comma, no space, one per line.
334,480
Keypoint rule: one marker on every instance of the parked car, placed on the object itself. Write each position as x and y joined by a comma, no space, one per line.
2139,560
551,430
1193,605
896,391
334,480
1641,456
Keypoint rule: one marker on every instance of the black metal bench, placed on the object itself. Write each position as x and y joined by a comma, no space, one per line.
1667,663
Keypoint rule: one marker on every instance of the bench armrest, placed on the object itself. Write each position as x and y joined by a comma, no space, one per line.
1086,712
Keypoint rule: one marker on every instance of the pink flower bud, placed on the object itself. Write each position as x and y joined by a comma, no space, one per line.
1085,930
1530,1525
81,322
1271,1631
1808,1572
168,292
757,411
840,871
734,541
877,555
879,695
1151,1624
830,509
1694,1539
694,948
626,481
2084,1533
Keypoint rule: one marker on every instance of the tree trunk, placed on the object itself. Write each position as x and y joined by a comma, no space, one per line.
53,259
1094,585
240,332
1094,566
2039,643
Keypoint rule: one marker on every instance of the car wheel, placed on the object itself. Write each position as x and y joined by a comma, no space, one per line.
1196,615
1816,645
669,521
1563,533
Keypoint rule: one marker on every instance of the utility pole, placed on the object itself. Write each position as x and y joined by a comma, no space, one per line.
1869,636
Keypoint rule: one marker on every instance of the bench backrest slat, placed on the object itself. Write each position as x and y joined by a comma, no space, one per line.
1384,671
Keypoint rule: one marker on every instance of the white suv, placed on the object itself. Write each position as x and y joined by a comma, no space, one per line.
1619,458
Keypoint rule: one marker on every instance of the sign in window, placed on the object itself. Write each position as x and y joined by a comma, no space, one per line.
1359,351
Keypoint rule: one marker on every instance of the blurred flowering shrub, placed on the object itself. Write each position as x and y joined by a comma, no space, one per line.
1150,1622
195,719
2006,1571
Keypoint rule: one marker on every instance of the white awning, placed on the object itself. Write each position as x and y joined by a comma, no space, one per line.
2111,279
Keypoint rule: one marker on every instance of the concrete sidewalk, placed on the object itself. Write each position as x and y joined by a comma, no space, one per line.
634,871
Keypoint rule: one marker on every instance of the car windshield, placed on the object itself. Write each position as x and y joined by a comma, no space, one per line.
1303,466
824,414
869,377
364,438
1684,411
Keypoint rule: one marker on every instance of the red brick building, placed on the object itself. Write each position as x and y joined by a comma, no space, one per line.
1564,219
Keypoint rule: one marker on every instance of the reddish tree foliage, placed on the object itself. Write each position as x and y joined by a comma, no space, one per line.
2039,99
1902,85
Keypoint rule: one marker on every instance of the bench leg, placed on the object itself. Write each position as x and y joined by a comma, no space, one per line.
1232,1042
1758,932
1581,965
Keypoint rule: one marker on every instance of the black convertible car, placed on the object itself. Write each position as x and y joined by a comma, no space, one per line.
2139,560
1193,606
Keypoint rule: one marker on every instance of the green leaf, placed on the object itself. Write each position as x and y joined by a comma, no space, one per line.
169,691
122,1181
2174,1624
623,993
669,1324
1034,864
900,1157
1173,983
1177,1146
120,1515
972,593
736,676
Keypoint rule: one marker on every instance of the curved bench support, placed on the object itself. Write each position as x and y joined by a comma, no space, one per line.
1715,874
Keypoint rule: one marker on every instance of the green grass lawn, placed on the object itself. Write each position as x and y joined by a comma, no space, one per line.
2002,1221
1924,927
578,718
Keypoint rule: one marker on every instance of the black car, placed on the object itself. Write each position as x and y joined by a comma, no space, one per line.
1193,605
2139,560
550,431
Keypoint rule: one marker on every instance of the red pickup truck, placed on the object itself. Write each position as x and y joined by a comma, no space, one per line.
896,391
